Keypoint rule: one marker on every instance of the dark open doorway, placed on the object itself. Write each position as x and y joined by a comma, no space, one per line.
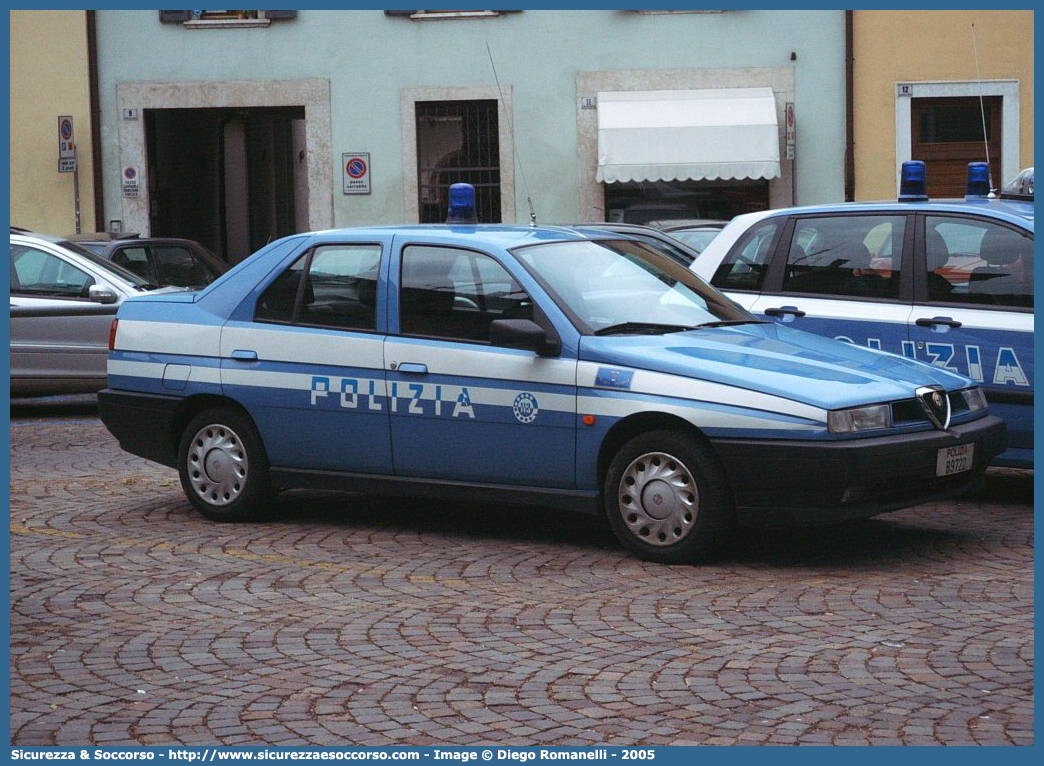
233,179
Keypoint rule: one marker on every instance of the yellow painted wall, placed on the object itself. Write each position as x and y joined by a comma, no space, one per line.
898,46
49,78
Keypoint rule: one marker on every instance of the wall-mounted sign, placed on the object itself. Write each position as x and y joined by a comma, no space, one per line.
130,182
903,89
355,168
66,145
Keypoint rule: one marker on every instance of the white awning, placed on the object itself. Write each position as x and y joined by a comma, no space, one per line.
679,135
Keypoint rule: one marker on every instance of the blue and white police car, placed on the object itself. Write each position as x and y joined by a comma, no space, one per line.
533,366
948,282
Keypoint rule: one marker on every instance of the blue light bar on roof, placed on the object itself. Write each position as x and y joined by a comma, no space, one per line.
913,182
978,186
462,204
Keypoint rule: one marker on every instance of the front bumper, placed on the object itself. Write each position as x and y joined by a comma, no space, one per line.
144,424
783,483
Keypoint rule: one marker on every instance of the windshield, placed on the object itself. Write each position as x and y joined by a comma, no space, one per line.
697,239
627,285
125,274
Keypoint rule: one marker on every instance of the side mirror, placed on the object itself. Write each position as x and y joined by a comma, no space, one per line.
101,294
525,334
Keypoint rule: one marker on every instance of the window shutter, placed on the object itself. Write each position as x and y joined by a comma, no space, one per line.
168,17
280,14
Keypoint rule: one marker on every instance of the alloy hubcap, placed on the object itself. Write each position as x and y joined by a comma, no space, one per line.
217,464
658,499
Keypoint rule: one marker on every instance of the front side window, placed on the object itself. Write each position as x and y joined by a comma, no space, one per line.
851,255
331,286
457,294
978,262
35,272
625,286
745,266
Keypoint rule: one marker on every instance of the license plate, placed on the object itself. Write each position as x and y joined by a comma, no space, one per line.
953,460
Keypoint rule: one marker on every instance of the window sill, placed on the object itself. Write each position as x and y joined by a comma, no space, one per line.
453,15
225,23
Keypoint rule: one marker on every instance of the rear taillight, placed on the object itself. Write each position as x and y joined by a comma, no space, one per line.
112,334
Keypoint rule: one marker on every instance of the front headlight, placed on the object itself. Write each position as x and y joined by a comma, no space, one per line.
974,398
859,419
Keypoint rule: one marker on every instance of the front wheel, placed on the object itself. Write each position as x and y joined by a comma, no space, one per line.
223,466
666,498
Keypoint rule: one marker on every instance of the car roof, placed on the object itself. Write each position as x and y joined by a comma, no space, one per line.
999,208
691,223
503,235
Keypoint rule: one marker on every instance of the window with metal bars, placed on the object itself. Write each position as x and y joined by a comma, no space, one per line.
457,142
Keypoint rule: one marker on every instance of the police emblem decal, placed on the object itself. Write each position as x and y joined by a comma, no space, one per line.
525,408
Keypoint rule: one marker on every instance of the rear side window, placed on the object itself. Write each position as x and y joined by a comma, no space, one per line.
978,262
331,286
180,266
745,266
135,260
846,256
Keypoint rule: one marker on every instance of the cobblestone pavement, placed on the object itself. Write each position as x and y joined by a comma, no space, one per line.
362,620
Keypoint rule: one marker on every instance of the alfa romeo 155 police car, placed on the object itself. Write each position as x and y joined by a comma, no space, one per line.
949,282
527,365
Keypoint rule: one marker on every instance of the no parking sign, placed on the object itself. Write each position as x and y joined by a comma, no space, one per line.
355,169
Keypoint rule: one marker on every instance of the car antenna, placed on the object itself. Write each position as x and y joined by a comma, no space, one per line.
514,147
982,109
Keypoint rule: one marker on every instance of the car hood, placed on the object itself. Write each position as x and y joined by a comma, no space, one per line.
773,360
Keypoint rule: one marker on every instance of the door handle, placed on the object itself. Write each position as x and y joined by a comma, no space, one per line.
782,310
413,368
244,355
933,321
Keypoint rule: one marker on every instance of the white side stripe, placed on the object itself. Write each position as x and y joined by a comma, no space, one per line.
482,362
155,370
330,348
169,337
662,384
703,418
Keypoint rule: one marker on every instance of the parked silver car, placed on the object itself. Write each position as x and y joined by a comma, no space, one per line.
63,301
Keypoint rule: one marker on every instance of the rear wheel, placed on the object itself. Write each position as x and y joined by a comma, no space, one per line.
666,498
223,466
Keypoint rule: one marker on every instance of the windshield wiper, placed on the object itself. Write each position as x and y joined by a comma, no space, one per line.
642,328
730,322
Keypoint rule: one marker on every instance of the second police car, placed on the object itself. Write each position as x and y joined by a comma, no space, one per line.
528,365
947,282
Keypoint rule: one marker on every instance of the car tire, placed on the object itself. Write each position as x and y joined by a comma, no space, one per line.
223,466
667,499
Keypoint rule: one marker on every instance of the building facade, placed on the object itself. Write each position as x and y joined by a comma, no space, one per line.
239,130
50,79
927,83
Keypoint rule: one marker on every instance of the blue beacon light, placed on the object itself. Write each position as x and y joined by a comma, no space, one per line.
462,204
913,182
978,187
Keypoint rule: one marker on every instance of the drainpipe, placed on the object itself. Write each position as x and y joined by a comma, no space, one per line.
96,155
849,112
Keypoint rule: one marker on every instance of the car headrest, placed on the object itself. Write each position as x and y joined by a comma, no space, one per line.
938,254
854,255
1002,247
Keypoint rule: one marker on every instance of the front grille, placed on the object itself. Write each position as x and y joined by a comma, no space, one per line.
910,411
